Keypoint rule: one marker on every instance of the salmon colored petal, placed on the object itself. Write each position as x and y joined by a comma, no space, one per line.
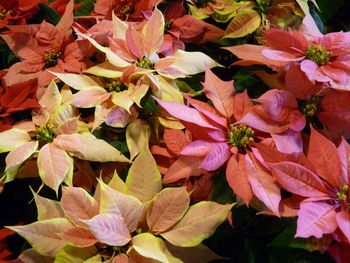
316,219
183,168
284,40
297,179
216,157
89,97
281,55
153,32
237,178
288,142
264,186
309,27
220,93
312,71
198,148
175,140
324,156
185,113
135,42
343,221
208,111
253,54
66,21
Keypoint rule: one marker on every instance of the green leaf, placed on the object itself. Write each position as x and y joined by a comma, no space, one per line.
246,80
51,14
316,16
85,8
288,255
221,192
328,8
286,239
292,255
149,104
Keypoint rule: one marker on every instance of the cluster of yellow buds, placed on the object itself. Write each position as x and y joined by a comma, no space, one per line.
45,133
343,194
51,58
240,135
116,85
318,54
168,24
145,63
311,108
125,10
4,13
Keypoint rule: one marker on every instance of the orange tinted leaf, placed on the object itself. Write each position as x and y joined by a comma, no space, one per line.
127,206
137,136
153,32
324,156
244,23
167,208
183,167
54,165
144,179
78,204
219,92
44,235
79,237
175,140
47,208
236,176
31,256
199,223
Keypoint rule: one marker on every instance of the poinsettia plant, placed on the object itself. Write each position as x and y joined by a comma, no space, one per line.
174,131
124,220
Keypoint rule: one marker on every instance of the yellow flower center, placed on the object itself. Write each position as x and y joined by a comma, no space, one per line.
116,86
4,13
318,54
145,63
125,10
240,135
168,24
343,195
311,108
45,133
51,58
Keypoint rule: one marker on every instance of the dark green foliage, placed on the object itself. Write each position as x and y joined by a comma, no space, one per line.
85,8
50,14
